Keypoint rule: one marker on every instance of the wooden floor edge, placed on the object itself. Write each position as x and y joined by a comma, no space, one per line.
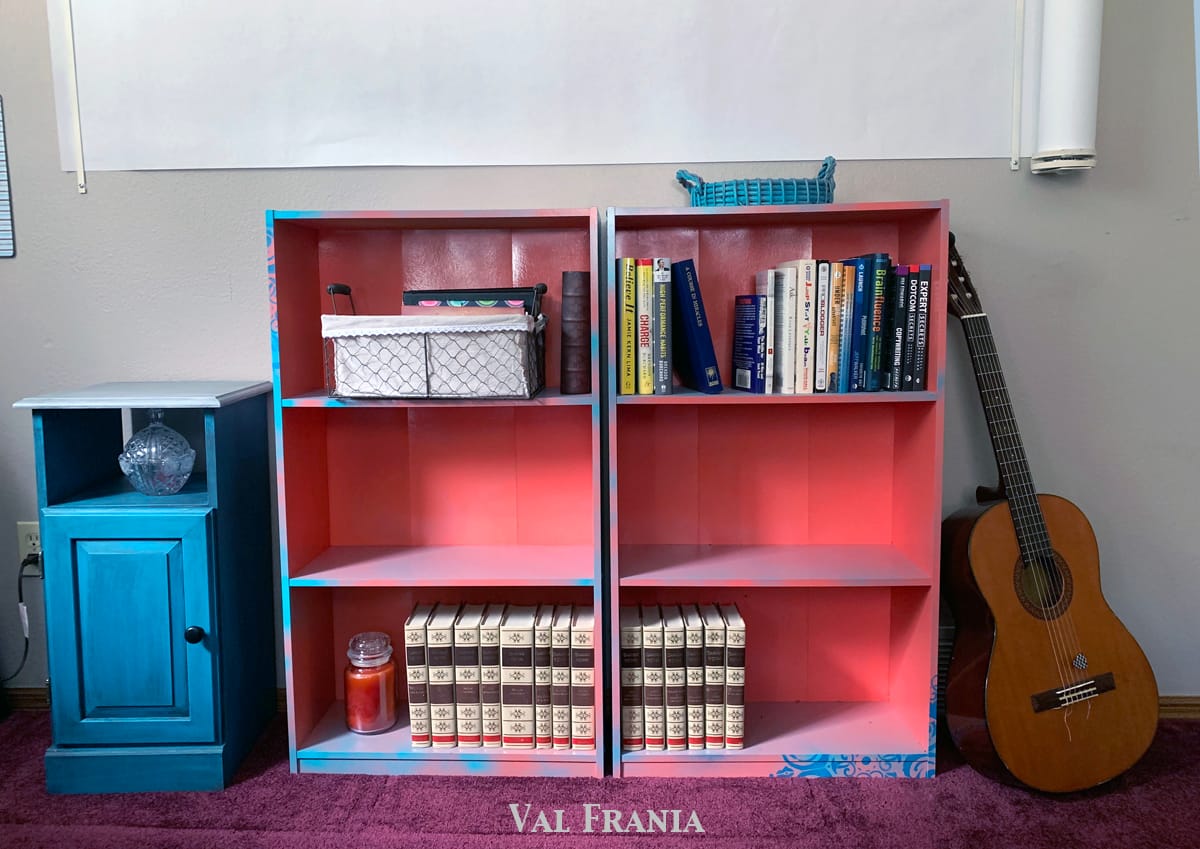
36,698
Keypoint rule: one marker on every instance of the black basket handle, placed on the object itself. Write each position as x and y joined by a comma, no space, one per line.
335,289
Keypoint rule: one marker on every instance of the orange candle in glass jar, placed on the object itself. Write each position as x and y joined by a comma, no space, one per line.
370,683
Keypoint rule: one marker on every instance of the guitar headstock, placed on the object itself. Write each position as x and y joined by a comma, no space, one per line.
962,299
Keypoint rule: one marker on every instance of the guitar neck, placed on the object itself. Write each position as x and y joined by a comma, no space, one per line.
1028,520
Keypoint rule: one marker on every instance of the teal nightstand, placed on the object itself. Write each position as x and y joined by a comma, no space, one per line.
159,623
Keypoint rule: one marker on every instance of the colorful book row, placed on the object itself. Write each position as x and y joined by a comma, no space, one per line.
501,675
812,325
683,677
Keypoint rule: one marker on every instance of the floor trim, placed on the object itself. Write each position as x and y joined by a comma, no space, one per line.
36,698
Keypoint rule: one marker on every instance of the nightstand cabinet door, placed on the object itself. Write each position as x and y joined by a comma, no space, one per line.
132,637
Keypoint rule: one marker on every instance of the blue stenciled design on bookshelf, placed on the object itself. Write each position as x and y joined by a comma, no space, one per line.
867,766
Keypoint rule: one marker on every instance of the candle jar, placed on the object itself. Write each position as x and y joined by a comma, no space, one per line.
370,683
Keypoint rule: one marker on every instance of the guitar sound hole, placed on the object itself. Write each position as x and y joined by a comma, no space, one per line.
1044,586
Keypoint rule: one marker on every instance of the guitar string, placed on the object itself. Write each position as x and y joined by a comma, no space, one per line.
1018,505
1028,510
1040,539
991,380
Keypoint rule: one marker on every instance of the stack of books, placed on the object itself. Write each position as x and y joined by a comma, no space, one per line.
683,677
814,325
501,675
661,327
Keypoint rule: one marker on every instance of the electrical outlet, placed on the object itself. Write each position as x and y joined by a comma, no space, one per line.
29,541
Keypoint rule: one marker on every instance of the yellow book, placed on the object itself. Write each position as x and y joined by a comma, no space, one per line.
837,303
645,326
627,329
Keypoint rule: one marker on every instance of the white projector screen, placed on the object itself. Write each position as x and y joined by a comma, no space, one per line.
297,83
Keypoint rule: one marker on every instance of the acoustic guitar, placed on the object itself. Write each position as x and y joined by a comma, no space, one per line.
1046,687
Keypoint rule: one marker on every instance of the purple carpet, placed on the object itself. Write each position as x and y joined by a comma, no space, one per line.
1150,806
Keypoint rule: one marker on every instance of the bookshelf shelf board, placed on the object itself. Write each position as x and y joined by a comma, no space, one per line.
117,493
330,740
549,397
807,729
682,395
768,565
449,565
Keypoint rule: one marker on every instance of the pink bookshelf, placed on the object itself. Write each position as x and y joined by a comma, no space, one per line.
818,516
384,504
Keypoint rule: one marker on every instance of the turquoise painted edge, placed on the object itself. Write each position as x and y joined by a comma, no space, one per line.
915,765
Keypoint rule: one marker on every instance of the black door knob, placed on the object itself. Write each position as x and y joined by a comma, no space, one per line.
194,634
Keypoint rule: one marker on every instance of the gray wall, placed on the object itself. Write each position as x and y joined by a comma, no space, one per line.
1089,280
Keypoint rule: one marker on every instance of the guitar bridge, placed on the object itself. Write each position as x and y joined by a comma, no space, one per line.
1071,694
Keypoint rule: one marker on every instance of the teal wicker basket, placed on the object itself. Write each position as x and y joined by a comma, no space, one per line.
759,192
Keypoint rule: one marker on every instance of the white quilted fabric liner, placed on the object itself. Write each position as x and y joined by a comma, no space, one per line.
334,326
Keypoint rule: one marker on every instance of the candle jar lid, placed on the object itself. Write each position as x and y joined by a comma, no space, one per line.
370,648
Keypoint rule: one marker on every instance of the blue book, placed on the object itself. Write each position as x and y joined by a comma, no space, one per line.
750,343
877,285
859,324
695,359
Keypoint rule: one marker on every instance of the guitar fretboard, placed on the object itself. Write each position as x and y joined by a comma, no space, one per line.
1028,520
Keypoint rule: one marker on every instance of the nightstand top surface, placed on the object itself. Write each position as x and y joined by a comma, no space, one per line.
166,394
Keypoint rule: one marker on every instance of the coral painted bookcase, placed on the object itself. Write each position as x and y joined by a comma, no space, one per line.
384,504
817,515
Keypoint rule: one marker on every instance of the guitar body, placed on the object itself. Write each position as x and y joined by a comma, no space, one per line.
1012,655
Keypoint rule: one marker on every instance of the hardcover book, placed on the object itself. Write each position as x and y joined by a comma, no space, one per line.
822,322
750,343
560,670
714,677
575,372
694,661
880,265
735,677
543,711
921,345
661,330
489,675
653,680
439,638
764,286
910,328
675,676
837,305
806,327
695,359
583,678
417,675
627,329
645,326
633,726
897,306
787,330
861,318
846,343
468,712
516,676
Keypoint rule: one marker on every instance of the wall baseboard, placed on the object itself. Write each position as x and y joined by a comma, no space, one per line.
37,698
